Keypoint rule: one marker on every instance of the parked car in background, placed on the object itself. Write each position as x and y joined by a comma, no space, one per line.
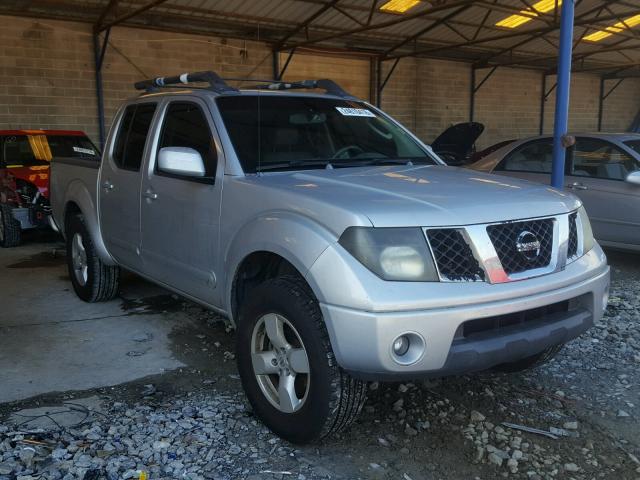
485,152
603,169
456,145
339,245
25,156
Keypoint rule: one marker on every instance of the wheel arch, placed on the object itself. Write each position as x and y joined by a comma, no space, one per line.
280,243
79,201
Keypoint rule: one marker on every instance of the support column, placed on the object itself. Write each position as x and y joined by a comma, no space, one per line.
562,95
98,56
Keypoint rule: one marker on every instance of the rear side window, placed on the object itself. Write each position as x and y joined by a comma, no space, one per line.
600,159
38,149
534,157
132,136
186,126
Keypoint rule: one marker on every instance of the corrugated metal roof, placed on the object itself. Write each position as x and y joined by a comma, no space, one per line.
457,29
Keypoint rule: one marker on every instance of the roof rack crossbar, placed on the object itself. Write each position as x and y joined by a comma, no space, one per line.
216,83
325,84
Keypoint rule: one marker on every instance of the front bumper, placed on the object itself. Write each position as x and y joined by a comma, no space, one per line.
362,338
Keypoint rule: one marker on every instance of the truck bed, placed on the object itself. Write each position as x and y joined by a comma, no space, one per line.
73,179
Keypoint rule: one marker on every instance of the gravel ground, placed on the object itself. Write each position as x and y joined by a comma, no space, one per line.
196,424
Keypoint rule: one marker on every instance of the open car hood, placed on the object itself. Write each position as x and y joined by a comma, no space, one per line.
457,141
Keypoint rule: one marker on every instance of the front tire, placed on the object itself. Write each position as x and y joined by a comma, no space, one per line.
93,280
10,230
287,366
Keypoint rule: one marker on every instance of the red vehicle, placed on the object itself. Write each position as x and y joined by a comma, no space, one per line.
25,156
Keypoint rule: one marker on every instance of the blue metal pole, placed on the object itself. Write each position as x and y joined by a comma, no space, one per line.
562,92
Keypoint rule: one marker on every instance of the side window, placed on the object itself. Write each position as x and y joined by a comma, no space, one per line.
534,157
597,158
132,136
123,133
185,125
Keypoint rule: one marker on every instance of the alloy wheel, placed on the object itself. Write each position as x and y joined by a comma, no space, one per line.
79,260
280,363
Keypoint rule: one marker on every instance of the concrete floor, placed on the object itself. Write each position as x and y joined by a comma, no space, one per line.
50,341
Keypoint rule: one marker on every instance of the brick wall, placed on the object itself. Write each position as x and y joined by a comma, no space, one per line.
46,78
621,107
444,96
508,104
351,73
47,81
401,96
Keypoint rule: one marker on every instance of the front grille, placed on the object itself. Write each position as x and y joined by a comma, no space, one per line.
505,238
572,251
499,322
453,256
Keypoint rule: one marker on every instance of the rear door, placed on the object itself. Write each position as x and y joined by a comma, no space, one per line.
180,215
119,184
597,175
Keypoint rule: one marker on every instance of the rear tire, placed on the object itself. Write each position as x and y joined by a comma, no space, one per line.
93,281
322,399
531,362
10,230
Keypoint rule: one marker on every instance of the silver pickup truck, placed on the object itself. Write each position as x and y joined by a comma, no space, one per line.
339,245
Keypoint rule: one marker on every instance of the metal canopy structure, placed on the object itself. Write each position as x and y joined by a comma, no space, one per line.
462,30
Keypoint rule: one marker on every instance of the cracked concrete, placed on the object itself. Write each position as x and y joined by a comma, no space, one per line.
52,341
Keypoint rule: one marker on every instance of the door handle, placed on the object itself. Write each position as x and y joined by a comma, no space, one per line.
107,185
577,186
150,195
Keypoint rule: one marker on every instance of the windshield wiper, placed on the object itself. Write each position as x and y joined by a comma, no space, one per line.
295,163
374,161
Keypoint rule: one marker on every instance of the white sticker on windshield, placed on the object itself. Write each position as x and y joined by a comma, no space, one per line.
355,112
87,151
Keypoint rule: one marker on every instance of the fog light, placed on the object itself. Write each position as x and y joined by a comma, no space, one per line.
401,345
407,348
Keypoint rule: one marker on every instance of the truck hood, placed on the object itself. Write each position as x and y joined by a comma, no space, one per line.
422,195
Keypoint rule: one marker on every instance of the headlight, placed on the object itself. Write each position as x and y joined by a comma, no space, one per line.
587,233
400,254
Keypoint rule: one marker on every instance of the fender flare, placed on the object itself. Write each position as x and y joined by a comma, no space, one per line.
78,194
294,237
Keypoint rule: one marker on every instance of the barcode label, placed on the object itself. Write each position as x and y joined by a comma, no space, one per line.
355,112
86,151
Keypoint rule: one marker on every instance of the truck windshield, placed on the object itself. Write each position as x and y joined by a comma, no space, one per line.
273,132
38,149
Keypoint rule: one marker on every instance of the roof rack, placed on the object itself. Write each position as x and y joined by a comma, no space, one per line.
325,84
216,83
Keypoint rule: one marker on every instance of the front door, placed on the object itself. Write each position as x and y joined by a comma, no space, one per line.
119,185
180,214
597,175
531,161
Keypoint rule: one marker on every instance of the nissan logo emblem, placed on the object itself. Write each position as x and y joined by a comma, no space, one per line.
528,245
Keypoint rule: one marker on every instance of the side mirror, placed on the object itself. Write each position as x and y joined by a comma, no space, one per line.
634,177
181,161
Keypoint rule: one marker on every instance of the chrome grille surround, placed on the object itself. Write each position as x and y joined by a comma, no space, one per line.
488,256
